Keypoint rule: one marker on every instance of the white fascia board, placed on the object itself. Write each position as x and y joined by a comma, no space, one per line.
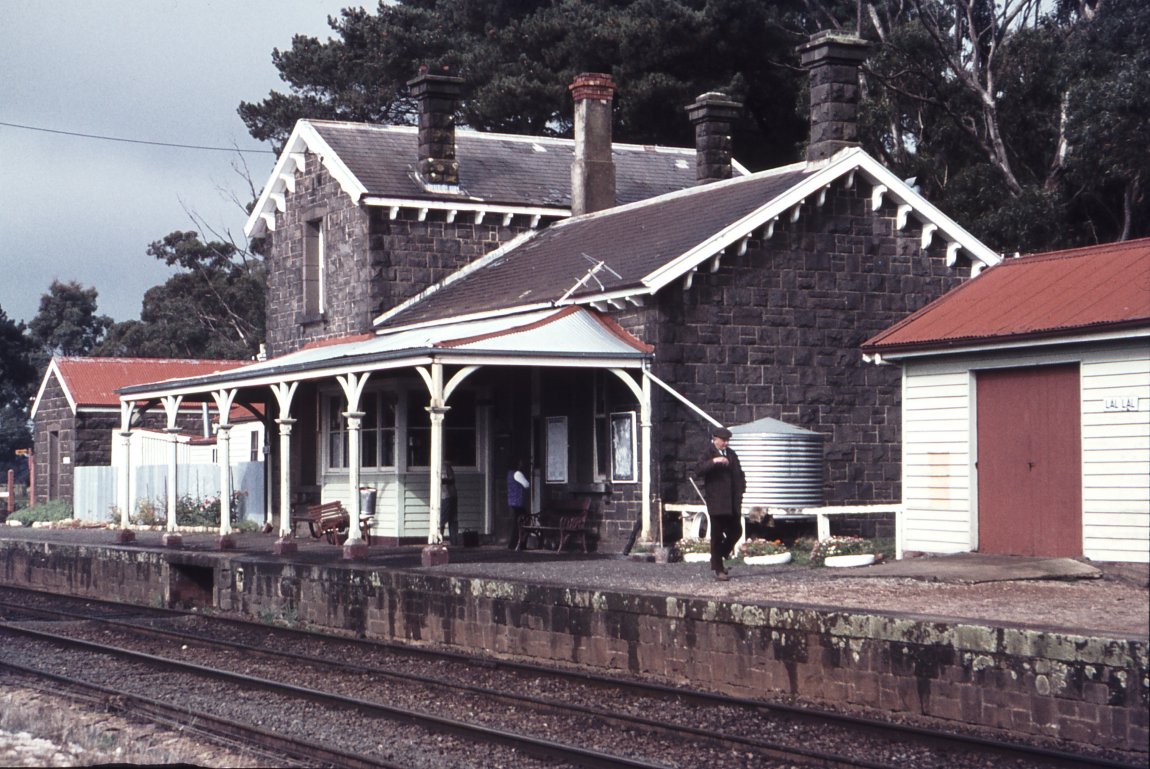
1018,344
459,274
927,211
303,138
473,205
772,209
316,371
838,166
53,371
474,316
624,296
463,358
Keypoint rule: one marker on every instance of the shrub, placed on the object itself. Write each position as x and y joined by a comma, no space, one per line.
752,547
56,510
839,546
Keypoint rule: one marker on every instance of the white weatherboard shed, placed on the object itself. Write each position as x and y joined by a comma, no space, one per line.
1026,409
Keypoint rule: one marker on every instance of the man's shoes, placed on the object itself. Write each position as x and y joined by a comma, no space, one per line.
722,576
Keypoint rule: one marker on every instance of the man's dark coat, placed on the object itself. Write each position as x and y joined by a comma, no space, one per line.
723,485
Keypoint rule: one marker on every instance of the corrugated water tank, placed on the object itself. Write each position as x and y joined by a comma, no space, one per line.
783,464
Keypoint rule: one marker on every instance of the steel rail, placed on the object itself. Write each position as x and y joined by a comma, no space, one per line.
228,733
547,749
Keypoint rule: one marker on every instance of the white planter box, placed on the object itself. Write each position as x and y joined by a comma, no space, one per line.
842,561
767,560
696,557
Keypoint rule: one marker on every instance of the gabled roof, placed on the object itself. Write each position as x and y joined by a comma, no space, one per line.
1070,294
92,382
648,245
503,173
569,336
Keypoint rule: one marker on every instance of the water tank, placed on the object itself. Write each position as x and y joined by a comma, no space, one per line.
783,464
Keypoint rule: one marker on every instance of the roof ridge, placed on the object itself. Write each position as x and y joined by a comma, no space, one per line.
1080,251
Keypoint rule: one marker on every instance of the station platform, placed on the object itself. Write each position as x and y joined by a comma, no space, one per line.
1050,647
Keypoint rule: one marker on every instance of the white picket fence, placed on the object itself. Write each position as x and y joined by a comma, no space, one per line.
96,488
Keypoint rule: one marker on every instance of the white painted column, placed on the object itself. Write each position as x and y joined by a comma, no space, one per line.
124,492
172,411
284,392
353,385
649,527
436,411
354,457
224,452
224,400
285,476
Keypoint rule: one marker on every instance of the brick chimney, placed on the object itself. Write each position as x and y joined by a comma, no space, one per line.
833,61
712,115
593,172
437,96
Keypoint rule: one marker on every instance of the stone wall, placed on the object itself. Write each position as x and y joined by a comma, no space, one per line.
775,333
1088,690
372,261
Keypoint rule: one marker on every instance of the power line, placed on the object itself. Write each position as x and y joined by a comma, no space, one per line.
133,141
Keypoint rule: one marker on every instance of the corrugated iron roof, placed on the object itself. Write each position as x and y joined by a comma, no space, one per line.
92,382
568,333
1097,288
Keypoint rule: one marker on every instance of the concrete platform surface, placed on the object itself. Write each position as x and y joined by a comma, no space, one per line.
1063,593
978,567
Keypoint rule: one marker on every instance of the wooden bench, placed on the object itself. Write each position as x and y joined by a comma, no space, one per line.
562,519
330,520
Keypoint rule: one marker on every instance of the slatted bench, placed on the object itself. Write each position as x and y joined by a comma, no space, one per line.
561,519
330,520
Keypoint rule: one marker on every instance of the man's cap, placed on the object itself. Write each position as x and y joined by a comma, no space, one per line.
721,432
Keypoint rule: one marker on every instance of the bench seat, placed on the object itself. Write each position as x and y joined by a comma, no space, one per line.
560,520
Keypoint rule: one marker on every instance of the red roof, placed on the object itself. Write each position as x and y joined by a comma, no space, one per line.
94,381
1083,290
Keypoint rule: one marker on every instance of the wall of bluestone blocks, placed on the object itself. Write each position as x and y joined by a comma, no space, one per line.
776,331
1091,690
1084,689
372,261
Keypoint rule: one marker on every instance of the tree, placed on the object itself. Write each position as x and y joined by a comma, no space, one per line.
67,323
212,308
518,57
1018,117
17,384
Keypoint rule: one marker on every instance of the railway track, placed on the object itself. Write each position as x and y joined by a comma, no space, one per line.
339,692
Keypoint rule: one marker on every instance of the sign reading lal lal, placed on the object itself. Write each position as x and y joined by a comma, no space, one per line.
1120,402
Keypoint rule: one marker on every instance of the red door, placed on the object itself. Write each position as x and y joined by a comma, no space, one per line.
1030,461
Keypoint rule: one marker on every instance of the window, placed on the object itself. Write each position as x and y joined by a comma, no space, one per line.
459,432
556,450
255,447
377,431
623,447
313,269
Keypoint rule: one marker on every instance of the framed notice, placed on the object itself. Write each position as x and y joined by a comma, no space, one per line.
556,470
623,469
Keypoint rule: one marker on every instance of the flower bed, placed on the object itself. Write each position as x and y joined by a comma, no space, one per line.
834,547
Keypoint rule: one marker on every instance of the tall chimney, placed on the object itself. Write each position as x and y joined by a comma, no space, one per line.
833,60
593,172
712,115
437,96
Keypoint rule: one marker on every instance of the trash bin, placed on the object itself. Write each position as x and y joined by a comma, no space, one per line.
367,495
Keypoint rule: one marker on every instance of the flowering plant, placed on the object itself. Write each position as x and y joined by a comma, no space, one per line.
693,546
761,547
832,546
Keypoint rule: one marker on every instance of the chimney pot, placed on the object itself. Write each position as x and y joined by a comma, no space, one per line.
712,115
593,171
832,60
437,96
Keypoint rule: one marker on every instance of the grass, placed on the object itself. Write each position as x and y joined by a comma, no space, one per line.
56,510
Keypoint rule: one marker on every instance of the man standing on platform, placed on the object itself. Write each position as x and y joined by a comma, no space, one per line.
723,487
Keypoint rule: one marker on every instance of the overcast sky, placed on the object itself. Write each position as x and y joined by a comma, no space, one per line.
170,71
